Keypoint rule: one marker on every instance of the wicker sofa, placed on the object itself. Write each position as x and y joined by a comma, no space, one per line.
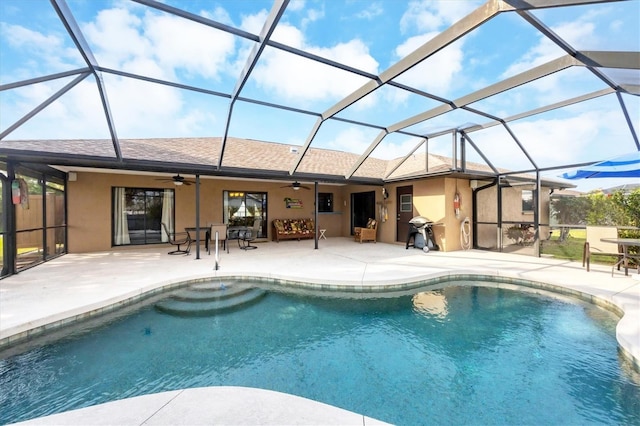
293,229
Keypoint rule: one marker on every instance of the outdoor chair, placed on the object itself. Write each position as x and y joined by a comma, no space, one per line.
593,245
367,233
249,235
178,239
221,229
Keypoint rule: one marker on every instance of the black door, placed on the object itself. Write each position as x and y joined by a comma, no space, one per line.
363,207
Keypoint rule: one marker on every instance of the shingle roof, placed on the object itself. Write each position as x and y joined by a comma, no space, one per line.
246,154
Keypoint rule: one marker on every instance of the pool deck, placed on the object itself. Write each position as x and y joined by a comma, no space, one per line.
76,286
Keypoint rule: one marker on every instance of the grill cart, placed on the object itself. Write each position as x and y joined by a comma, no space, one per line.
420,229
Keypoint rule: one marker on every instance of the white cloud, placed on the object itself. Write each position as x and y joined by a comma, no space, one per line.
296,5
312,16
116,38
371,11
293,78
150,44
437,73
578,32
555,140
427,15
253,23
178,43
352,139
219,14
122,39
46,50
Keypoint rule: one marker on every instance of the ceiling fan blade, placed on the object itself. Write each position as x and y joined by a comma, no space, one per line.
295,185
176,180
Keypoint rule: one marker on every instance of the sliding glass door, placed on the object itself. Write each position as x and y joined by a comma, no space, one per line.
138,214
246,209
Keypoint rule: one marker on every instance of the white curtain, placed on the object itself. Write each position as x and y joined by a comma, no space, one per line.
120,226
167,213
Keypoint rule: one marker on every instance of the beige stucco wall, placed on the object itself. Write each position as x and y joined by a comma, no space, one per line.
432,199
511,212
89,201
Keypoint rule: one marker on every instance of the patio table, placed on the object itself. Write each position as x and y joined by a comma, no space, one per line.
207,234
625,243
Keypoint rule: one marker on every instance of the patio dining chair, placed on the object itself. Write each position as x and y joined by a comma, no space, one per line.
221,229
178,239
593,245
249,235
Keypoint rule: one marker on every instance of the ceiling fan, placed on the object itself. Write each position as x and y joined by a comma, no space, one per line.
295,185
177,180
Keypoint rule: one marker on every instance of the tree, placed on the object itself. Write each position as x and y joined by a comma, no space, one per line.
604,211
569,210
630,205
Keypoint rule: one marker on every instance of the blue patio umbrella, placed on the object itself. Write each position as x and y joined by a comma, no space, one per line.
627,165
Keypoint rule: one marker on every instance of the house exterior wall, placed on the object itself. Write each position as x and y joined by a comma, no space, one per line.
486,211
89,213
512,213
433,199
89,202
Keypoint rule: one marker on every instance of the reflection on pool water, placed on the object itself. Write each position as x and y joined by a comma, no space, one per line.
459,355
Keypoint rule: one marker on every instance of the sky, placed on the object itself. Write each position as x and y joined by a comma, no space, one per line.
368,36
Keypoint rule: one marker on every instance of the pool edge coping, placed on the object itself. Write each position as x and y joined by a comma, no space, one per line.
24,332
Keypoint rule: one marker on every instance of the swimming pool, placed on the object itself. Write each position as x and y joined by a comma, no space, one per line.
459,355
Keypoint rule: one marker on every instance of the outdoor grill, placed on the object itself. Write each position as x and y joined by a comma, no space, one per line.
421,226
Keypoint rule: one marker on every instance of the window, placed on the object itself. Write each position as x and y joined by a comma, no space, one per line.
243,209
325,202
527,200
406,205
138,214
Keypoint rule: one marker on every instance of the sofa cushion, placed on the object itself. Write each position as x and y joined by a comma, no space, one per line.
294,228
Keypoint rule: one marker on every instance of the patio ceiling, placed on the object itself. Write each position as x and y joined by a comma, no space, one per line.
528,86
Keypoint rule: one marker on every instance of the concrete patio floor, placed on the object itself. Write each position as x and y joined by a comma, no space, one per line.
77,286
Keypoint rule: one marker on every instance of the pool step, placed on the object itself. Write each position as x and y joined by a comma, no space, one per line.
208,291
208,299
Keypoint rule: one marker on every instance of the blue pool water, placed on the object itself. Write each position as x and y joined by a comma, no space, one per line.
459,355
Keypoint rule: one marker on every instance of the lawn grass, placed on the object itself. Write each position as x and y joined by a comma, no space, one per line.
572,248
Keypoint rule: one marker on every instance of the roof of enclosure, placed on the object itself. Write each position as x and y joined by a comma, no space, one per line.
520,85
